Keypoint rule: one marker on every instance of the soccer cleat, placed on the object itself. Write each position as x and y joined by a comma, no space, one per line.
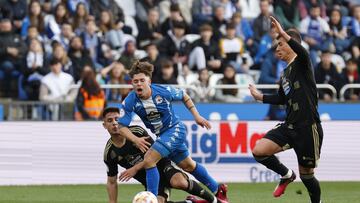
221,194
194,199
284,182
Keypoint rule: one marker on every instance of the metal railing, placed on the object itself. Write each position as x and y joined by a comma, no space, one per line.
347,87
38,110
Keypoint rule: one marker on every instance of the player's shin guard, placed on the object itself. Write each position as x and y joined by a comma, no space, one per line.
201,174
195,189
272,163
152,180
313,187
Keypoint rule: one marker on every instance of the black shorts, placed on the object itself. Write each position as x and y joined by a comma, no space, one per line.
306,141
166,171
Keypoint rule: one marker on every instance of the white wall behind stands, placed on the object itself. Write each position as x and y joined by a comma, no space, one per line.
72,152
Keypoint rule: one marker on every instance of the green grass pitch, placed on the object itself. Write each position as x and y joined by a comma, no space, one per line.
333,192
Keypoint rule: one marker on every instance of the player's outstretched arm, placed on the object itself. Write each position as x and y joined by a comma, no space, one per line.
131,172
140,142
197,117
112,189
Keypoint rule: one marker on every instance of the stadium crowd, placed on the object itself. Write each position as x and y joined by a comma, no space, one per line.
48,45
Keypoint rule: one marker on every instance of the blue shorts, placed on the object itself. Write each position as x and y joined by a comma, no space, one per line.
171,143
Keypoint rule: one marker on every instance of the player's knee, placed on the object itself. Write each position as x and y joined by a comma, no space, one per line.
306,171
258,152
178,181
189,167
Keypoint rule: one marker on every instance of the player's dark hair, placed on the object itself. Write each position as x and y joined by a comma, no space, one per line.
294,34
109,110
141,67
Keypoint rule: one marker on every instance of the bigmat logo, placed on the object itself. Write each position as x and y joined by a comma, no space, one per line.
224,143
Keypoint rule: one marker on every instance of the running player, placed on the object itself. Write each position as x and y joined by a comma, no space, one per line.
119,151
302,129
153,104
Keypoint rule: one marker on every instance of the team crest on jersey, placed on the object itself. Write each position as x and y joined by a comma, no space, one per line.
158,99
122,113
286,85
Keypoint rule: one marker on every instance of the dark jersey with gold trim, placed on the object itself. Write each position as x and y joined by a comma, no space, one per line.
297,89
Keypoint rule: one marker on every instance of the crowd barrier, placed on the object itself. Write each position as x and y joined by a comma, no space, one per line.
72,152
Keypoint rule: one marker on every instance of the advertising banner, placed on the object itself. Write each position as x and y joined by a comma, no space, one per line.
72,152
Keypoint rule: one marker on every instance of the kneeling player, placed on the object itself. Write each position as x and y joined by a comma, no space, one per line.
120,151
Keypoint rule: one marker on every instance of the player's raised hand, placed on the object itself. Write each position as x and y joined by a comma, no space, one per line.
127,174
255,92
142,144
202,122
276,25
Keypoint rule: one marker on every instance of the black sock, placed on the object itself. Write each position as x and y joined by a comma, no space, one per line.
195,189
313,187
271,162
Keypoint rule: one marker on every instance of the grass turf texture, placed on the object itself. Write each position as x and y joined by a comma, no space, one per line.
238,193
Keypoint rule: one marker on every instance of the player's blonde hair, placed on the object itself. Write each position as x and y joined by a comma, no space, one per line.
141,67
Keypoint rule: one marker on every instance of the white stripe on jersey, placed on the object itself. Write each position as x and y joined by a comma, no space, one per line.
149,107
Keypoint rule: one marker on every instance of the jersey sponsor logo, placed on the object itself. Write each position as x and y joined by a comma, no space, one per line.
153,116
286,86
158,99
226,143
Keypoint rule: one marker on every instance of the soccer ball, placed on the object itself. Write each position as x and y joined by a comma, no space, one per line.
145,197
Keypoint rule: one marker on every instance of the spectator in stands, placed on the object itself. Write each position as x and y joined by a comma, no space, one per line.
266,43
153,57
228,95
60,54
65,36
261,23
304,7
36,68
175,46
80,17
114,74
218,23
115,36
150,31
350,75
250,9
33,34
55,86
315,30
287,13
128,56
90,100
355,32
175,15
232,50
97,6
12,52
79,57
202,11
142,7
17,10
73,5
53,22
245,32
230,8
34,18
106,22
206,51
92,42
271,68
201,91
338,32
167,75
326,73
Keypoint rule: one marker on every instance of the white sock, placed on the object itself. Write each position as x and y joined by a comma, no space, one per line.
288,175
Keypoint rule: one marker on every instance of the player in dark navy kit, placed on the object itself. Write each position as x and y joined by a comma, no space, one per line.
302,129
153,104
119,151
